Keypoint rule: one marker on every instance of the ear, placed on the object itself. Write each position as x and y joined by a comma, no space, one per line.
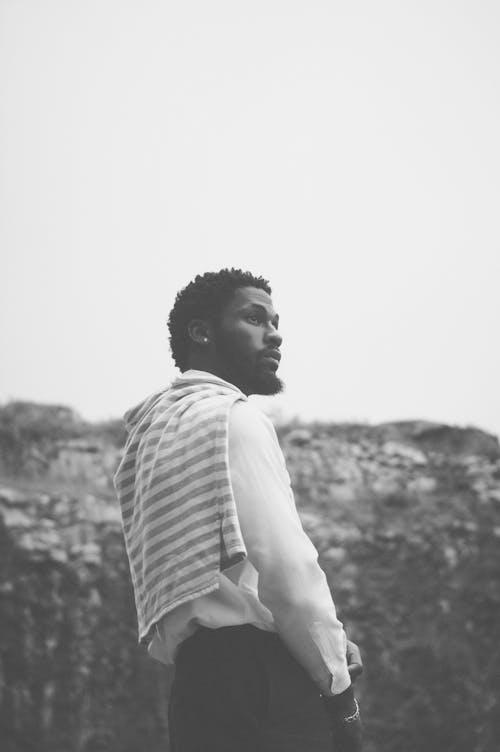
200,332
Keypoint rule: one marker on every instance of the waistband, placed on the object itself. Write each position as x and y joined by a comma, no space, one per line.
228,637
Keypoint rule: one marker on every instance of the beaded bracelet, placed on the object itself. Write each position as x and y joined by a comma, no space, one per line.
354,716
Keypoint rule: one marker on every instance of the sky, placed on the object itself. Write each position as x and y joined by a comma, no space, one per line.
346,151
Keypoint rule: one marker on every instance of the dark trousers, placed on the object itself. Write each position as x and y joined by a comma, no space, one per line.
238,689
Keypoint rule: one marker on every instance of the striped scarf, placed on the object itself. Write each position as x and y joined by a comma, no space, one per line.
179,516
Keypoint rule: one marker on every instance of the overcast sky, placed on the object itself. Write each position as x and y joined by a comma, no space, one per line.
348,151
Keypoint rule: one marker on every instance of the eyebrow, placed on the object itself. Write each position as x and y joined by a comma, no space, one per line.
260,308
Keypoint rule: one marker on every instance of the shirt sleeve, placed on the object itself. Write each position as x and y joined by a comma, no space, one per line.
291,583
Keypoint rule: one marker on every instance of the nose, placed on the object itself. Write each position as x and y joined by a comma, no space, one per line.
273,336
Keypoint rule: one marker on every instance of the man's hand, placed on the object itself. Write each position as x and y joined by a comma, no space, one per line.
343,709
354,662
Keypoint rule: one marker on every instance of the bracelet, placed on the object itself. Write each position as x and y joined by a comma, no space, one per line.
354,716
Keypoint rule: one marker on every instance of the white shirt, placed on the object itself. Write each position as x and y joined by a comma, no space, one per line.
280,587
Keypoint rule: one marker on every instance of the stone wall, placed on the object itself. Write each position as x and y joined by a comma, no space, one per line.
406,519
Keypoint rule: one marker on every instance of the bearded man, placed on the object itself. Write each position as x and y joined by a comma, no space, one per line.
227,583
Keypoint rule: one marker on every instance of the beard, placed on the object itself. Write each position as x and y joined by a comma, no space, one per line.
266,383
252,376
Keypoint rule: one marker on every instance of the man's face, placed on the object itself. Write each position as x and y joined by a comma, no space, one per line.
247,343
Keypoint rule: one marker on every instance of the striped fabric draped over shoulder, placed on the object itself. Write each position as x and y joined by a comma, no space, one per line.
178,512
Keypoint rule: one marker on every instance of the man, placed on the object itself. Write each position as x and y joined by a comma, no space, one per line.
227,583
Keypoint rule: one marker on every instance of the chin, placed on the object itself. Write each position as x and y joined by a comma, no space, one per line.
267,385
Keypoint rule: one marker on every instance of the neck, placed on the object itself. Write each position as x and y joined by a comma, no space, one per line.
203,363
207,364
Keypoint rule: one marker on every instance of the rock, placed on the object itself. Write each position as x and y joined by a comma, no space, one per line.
16,518
345,469
299,437
422,485
43,544
485,490
11,496
451,556
342,493
386,486
334,554
403,452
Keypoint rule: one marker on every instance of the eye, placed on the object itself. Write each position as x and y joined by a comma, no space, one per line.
253,318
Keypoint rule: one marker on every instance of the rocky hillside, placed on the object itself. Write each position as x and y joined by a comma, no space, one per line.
406,518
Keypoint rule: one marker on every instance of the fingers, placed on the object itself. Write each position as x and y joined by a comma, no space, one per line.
354,662
355,670
353,654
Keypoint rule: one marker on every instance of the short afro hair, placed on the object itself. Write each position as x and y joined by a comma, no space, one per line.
205,298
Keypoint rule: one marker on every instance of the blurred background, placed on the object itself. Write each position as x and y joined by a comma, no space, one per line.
348,152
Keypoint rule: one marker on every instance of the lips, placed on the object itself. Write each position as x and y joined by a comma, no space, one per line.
273,356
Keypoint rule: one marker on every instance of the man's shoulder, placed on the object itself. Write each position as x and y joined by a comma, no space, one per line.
247,422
